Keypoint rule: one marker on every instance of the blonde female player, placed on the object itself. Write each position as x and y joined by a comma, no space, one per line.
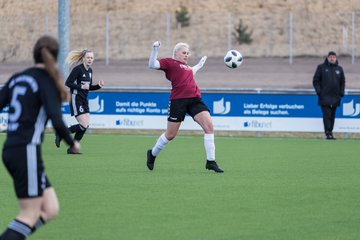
185,98
80,83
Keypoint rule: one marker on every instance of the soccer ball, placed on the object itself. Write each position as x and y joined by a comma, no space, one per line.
233,59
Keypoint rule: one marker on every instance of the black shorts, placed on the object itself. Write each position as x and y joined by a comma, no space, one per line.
26,168
178,108
78,105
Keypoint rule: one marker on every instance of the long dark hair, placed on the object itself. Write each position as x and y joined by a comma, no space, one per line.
46,51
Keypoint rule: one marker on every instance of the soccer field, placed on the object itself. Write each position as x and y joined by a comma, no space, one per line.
272,189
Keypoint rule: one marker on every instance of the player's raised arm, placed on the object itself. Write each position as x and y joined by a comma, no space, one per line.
200,64
153,62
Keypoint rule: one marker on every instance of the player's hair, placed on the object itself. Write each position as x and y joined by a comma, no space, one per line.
76,56
46,51
179,46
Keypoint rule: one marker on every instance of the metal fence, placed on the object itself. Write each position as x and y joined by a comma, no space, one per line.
127,36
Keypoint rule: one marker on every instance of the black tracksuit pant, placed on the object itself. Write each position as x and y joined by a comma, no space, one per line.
328,113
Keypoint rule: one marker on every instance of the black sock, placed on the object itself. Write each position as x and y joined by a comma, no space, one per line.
79,135
16,230
40,222
75,128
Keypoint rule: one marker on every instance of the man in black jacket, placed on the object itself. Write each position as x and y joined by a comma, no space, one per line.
329,84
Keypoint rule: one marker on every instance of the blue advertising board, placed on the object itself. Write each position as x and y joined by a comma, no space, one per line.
229,111
220,104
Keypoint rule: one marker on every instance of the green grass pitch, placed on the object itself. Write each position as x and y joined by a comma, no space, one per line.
272,189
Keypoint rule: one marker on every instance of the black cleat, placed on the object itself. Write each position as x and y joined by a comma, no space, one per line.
212,165
57,140
71,152
329,137
150,160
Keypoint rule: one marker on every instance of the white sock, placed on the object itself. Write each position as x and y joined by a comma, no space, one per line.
160,144
209,146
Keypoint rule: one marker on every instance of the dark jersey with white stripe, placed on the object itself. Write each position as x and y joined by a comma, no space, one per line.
80,76
32,98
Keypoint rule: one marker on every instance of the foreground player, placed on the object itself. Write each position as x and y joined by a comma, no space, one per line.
33,96
185,99
80,83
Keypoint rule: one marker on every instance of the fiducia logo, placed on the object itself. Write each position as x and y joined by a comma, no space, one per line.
96,105
221,107
351,109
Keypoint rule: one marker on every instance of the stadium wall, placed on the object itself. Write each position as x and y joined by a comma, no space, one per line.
131,27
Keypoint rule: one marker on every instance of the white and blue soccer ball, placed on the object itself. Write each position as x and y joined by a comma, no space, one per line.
233,59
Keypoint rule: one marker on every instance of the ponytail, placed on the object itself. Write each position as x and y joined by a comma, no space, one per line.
50,66
45,51
76,56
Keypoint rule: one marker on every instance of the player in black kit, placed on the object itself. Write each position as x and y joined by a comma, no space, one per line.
33,96
80,83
